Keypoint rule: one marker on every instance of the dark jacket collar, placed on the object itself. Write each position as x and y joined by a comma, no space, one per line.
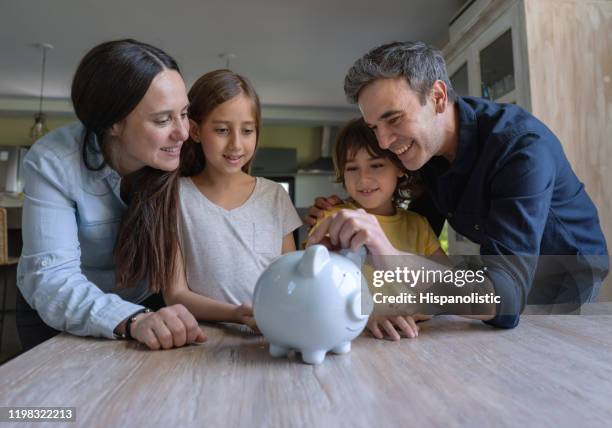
467,146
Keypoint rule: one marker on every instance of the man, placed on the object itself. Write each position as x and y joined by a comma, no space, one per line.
496,173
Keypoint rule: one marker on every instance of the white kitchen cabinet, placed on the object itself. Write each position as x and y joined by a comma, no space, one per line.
492,57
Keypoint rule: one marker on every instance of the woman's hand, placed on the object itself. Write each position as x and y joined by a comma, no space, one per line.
407,324
170,327
321,204
244,315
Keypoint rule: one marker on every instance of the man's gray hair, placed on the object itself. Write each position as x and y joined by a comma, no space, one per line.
418,62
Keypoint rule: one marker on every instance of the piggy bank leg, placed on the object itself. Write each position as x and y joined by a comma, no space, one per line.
313,357
278,351
342,348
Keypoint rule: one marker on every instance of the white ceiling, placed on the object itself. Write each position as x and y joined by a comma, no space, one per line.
295,52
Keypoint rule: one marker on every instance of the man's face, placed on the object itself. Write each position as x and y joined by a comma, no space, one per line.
401,124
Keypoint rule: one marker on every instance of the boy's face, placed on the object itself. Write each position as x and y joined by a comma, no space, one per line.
371,181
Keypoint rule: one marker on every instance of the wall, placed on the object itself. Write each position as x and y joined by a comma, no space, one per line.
306,140
14,130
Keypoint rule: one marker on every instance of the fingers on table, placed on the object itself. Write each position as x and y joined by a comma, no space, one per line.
408,326
149,338
177,328
161,331
375,329
193,331
390,330
390,326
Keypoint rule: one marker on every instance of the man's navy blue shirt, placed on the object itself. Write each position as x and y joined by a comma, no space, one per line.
512,190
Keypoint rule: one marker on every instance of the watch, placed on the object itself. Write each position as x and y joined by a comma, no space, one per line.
126,332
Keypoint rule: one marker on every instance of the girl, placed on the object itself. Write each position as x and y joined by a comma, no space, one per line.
233,224
377,182
100,209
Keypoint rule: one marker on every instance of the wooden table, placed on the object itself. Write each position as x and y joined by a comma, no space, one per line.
549,371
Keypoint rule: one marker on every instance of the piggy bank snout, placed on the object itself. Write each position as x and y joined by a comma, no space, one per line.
354,308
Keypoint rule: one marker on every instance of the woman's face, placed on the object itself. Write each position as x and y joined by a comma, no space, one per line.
228,135
153,133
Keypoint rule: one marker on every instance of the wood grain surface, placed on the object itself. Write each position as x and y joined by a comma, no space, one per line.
552,370
570,71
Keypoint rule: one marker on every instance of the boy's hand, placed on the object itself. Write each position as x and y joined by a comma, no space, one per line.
407,324
321,204
244,315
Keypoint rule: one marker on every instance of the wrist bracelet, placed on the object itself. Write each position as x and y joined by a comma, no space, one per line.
127,334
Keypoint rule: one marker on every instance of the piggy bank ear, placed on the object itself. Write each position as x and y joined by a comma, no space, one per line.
355,311
314,259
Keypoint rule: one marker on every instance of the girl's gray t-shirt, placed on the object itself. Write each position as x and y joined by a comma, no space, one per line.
225,251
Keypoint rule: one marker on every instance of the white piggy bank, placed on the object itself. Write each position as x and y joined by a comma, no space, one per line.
311,301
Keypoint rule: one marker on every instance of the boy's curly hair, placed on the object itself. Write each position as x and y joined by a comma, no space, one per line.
356,135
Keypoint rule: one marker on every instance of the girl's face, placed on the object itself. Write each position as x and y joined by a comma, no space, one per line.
153,133
371,181
228,135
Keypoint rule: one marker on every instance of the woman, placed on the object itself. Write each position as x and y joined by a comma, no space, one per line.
100,211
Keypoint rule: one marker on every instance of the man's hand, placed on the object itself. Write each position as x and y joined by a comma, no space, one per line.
352,229
172,326
244,315
321,204
407,324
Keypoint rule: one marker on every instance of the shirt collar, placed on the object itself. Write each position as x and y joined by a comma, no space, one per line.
96,157
445,182
467,146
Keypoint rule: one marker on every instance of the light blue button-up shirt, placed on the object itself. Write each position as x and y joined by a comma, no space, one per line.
71,218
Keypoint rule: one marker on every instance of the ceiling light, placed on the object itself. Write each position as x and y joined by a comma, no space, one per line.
40,127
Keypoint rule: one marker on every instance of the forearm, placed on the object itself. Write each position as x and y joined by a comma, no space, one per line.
202,307
288,244
65,300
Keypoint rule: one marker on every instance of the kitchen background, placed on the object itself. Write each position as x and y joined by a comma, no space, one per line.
553,57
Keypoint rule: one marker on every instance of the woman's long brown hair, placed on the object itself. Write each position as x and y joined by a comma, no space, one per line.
148,241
